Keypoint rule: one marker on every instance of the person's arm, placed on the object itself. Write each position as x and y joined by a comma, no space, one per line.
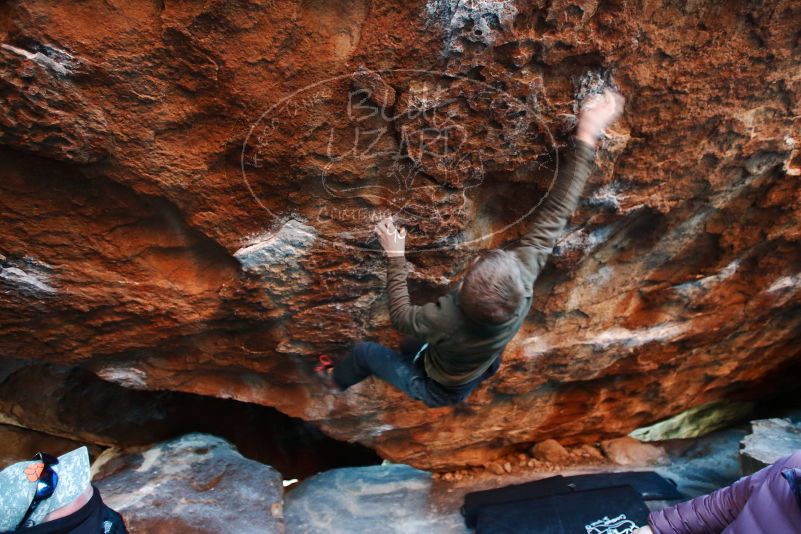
707,513
716,511
417,321
551,217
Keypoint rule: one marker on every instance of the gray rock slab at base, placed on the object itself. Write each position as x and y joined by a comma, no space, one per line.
769,440
702,465
388,499
194,484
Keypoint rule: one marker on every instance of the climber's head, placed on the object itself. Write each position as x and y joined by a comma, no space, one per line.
45,489
492,289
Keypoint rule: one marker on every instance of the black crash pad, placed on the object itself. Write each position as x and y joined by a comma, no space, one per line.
649,485
613,510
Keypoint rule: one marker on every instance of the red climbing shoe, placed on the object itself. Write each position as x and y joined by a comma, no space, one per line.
326,363
325,370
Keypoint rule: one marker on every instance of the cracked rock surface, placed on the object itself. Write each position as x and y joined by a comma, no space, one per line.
196,483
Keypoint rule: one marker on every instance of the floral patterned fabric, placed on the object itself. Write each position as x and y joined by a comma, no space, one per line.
18,486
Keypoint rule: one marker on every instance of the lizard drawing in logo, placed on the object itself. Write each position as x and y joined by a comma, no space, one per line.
617,525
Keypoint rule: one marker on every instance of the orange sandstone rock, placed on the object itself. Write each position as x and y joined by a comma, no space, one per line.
187,193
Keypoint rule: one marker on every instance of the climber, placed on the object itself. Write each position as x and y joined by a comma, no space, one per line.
462,335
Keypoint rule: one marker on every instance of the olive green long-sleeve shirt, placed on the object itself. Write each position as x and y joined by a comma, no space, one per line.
460,350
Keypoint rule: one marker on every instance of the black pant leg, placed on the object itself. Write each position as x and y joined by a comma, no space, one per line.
367,358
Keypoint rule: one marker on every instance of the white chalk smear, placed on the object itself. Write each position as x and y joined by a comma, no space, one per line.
287,245
610,337
693,287
483,17
25,280
785,282
126,376
62,69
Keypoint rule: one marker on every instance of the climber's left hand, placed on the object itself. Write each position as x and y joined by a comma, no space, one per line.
392,240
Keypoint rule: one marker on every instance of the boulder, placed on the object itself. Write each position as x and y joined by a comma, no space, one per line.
591,452
385,499
496,468
705,464
769,440
188,190
550,450
197,483
631,452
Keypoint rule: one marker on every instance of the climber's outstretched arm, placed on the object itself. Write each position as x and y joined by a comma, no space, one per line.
551,217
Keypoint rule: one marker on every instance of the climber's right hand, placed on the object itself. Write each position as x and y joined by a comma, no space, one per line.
598,112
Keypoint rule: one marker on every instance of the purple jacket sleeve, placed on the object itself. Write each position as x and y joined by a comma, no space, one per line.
709,513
